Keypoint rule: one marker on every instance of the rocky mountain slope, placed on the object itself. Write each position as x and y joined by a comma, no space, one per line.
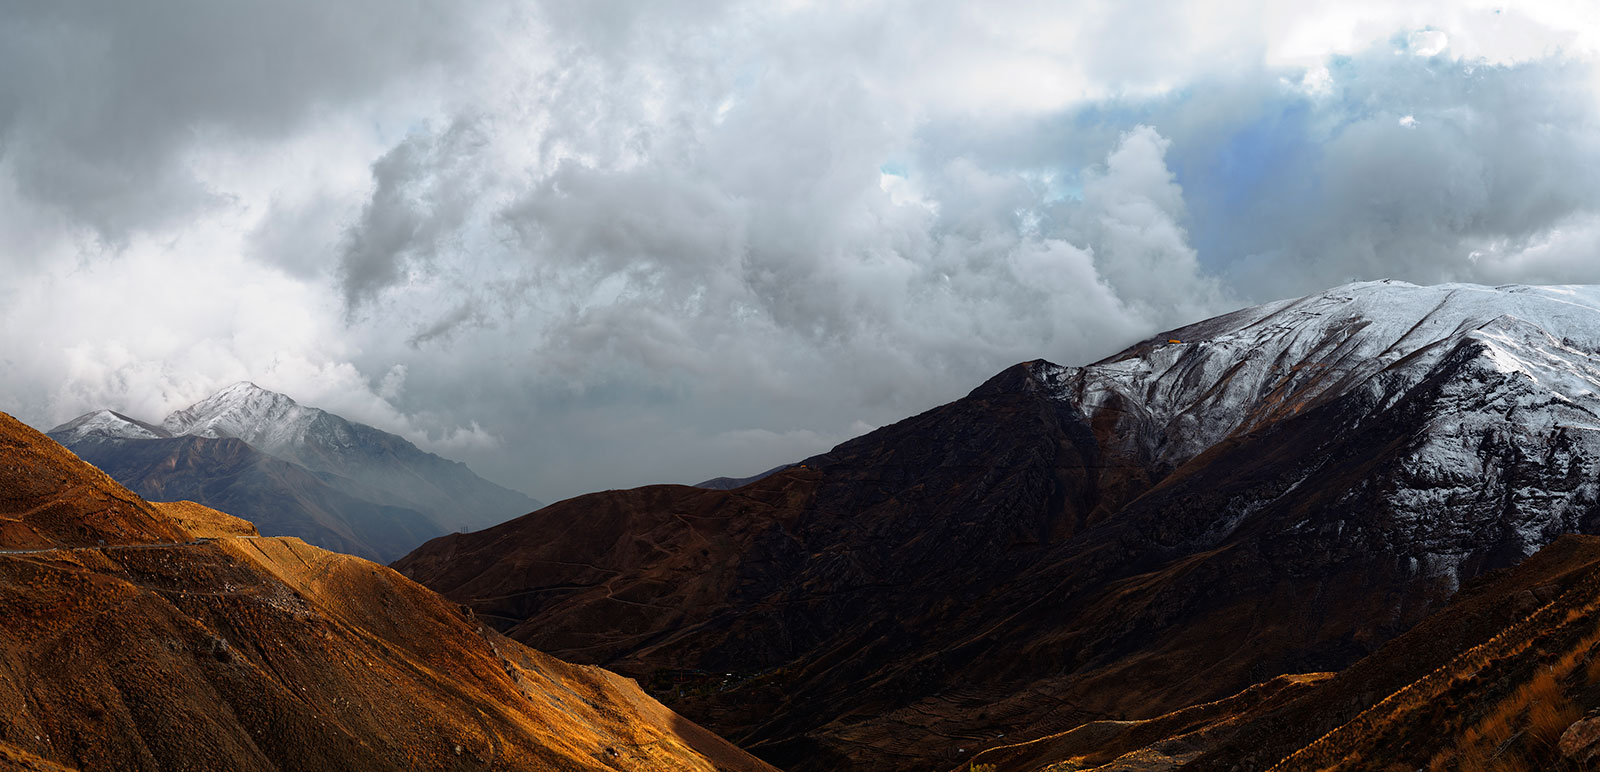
145,636
1321,720
1278,490
294,470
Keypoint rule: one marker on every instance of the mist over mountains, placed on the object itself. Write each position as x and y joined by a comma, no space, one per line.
294,471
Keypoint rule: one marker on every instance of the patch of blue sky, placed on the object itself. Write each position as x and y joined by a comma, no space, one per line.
1253,173
384,132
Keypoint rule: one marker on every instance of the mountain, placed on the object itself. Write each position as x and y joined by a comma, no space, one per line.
281,497
1278,490
106,426
729,483
1522,699
145,636
295,471
1506,625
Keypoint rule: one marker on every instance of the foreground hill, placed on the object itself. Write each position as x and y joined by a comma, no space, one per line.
145,636
1279,490
294,471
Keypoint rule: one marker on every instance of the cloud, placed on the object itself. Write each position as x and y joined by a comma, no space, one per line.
419,195
101,102
604,244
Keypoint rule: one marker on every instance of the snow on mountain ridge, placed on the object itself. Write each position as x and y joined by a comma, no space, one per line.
383,467
1498,388
265,419
1264,363
107,424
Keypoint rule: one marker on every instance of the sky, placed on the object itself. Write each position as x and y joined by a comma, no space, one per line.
604,244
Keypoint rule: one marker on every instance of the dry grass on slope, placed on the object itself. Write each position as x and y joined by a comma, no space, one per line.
1160,743
214,651
13,759
1500,706
203,522
50,498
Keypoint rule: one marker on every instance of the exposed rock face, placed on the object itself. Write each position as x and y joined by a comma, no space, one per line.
1580,742
295,470
1280,492
145,636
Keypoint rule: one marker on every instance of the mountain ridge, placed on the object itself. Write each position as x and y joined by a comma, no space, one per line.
1070,544
302,471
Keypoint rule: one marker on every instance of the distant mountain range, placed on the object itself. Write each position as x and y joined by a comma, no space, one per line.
1277,491
729,483
294,471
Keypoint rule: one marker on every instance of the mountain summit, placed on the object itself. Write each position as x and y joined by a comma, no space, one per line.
266,419
1277,490
107,425
295,470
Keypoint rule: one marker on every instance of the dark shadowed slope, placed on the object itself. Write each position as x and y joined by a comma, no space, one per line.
1282,491
186,642
1512,699
1290,715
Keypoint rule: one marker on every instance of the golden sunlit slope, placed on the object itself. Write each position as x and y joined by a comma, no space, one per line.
14,760
50,498
205,647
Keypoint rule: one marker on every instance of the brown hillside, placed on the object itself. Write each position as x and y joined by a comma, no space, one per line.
1502,704
999,569
1152,745
50,498
1261,726
200,646
1481,611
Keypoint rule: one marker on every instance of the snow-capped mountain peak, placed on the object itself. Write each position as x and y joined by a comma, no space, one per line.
263,418
106,425
1203,382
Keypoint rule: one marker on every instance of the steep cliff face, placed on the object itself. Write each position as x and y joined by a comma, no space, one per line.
145,636
1278,490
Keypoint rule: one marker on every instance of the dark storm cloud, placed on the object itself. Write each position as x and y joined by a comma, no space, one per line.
99,101
583,245
748,227
422,190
